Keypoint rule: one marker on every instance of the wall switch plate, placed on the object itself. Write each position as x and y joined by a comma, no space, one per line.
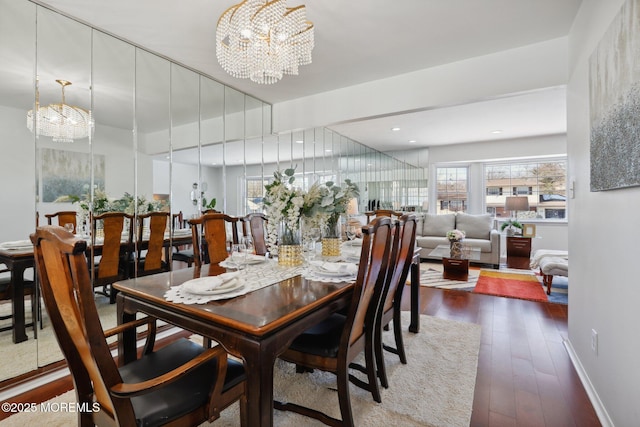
594,341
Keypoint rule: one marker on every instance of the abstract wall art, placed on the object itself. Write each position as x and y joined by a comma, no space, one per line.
68,173
614,81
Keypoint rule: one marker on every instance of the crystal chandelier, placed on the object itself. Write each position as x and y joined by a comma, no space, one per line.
262,40
62,122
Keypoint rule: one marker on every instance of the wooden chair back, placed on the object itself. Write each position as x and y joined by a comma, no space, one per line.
150,238
68,297
401,258
113,248
254,225
180,370
382,212
316,347
64,217
177,221
213,227
372,271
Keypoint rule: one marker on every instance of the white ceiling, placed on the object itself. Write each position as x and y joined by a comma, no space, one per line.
364,40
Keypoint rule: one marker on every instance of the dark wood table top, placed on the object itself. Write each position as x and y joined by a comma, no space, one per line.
257,326
257,313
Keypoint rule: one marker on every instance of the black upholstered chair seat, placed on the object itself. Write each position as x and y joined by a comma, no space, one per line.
185,255
155,408
322,339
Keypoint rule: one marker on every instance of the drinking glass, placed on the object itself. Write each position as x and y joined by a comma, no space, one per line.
246,246
314,235
231,260
69,227
308,251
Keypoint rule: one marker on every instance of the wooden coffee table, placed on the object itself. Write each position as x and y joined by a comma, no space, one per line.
456,268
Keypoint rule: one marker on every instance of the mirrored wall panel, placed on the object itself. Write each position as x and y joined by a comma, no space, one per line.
93,124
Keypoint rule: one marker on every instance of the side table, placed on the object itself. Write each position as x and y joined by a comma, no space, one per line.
518,252
455,269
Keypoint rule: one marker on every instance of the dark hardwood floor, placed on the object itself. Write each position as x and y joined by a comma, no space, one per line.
525,376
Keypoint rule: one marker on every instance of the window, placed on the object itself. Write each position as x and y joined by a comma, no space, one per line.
494,191
544,182
255,192
452,187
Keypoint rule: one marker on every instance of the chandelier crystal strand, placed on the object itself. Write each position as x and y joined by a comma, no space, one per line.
62,122
263,40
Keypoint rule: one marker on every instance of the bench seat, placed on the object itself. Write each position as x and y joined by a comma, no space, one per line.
553,266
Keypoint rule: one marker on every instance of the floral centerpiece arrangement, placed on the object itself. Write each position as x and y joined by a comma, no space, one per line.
283,204
328,202
455,246
286,205
455,235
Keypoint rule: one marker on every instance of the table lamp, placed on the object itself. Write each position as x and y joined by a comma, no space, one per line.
515,203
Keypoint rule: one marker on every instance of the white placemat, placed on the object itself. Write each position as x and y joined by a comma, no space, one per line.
253,278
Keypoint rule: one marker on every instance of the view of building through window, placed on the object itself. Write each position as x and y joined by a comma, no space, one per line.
542,182
452,187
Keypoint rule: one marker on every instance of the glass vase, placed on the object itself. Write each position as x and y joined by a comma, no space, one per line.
455,249
331,238
289,245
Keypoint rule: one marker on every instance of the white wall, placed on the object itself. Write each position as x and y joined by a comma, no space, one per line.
604,236
17,167
536,66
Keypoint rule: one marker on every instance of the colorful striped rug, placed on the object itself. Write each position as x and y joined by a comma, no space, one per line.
493,280
511,285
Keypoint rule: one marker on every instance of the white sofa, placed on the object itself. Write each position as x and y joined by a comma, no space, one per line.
432,231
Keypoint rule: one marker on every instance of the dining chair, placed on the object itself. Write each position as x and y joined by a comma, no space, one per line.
215,228
111,252
382,212
179,384
400,263
64,217
181,254
150,252
254,225
30,290
333,344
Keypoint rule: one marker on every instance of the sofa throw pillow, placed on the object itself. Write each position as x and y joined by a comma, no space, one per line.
438,225
474,226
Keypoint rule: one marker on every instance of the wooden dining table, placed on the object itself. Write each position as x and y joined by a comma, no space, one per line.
256,327
17,261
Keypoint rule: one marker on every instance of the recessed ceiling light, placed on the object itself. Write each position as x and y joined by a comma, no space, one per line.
328,150
496,131
395,128
299,141
412,141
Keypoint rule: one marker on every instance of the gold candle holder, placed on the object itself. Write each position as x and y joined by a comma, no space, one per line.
331,246
290,255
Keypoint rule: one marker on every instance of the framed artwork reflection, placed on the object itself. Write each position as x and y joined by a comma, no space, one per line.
528,230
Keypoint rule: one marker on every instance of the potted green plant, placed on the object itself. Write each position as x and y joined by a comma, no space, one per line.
510,225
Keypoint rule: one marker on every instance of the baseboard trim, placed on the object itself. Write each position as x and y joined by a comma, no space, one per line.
598,406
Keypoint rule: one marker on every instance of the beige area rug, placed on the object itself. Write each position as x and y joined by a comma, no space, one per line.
28,355
434,389
431,276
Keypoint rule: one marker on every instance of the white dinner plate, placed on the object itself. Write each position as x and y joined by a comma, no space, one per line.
199,286
334,270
